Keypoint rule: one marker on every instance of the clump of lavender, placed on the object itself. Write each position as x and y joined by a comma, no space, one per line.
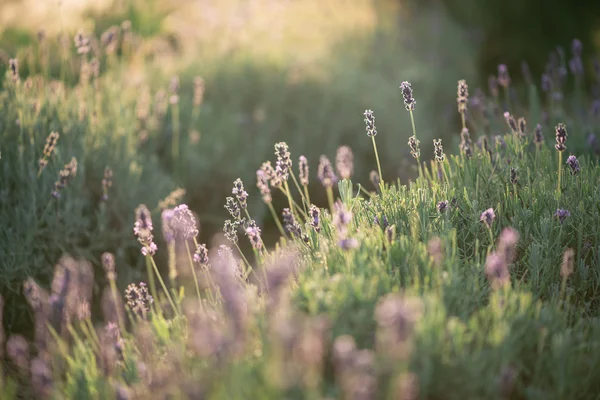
284,161
344,162
184,223
573,163
341,220
438,150
315,217
292,226
201,255
138,299
13,70
442,206
49,147
262,183
466,144
66,175
230,231
562,214
106,182
561,140
303,170
510,121
407,94
239,192
143,230
462,99
538,137
372,132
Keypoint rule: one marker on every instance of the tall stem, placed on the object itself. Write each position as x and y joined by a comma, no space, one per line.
162,283
381,184
187,247
559,171
330,198
276,219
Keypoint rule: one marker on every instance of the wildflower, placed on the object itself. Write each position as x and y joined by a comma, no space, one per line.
138,298
562,214
106,182
183,222
561,137
466,143
230,230
108,263
513,176
568,264
274,180
374,178
442,206
407,93
48,149
344,162
573,163
172,199
82,43
538,137
325,172
13,67
370,123
66,175
493,86
174,90
201,254
198,91
512,124
315,217
462,96
303,170
284,161
143,230
522,123
253,233
262,182
233,207
487,217
496,270
503,77
438,150
240,193
413,144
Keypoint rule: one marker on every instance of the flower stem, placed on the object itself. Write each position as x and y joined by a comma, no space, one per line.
330,198
559,171
164,287
276,219
187,247
381,184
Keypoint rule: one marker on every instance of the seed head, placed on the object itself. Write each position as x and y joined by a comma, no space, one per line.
303,170
344,162
370,123
462,96
487,217
407,93
13,67
503,77
538,137
138,299
562,214
374,178
201,255
240,193
568,264
325,172
438,150
413,144
573,163
262,182
183,222
315,217
230,230
561,137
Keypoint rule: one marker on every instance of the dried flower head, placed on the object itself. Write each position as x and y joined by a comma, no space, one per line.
143,230
138,299
561,137
562,214
344,162
66,175
315,217
538,137
239,192
262,183
466,144
413,144
13,68
370,123
325,172
487,217
230,230
201,254
407,94
184,223
438,150
374,178
284,161
568,264
106,182
573,164
503,77
462,96
510,121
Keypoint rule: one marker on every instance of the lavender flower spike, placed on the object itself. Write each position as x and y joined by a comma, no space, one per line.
487,217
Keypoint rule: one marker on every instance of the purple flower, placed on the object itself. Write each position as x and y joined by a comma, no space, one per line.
370,123
407,93
183,222
562,214
442,206
201,254
303,170
561,137
143,230
496,270
487,217
573,163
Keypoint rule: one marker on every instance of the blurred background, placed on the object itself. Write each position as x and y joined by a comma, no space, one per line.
300,71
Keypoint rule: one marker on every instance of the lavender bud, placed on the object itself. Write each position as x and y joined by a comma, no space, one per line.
462,96
487,217
413,144
284,161
538,137
262,182
303,170
465,143
562,214
234,209
407,93
370,123
315,217
438,150
201,254
510,121
240,193
442,206
522,127
253,233
344,162
143,230
183,222
503,77
138,299
230,230
573,163
325,172
561,137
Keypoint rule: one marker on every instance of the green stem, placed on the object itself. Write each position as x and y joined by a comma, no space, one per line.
559,171
330,198
304,200
306,195
151,281
289,196
381,183
113,289
164,287
276,219
187,247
